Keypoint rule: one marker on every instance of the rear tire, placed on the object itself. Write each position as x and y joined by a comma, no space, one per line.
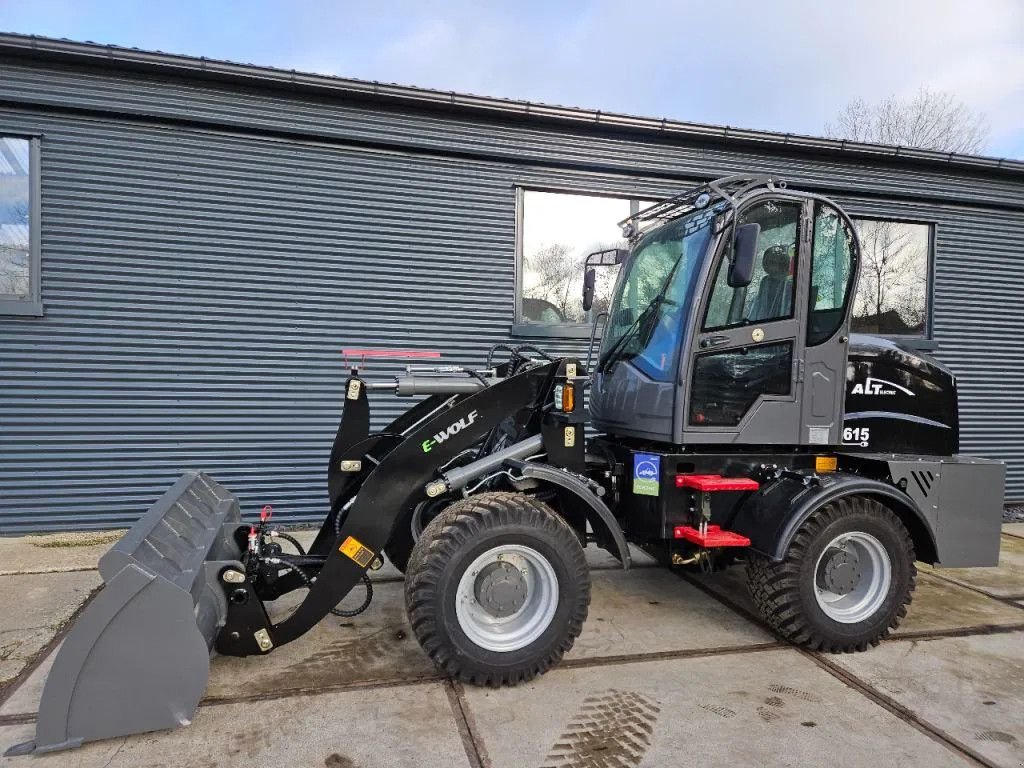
845,581
497,589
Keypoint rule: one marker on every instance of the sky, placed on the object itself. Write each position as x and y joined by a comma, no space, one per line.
781,65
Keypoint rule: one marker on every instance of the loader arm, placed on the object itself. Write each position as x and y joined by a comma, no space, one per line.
389,487
354,427
354,441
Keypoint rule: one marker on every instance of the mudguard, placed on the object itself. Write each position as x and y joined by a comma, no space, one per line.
602,516
771,517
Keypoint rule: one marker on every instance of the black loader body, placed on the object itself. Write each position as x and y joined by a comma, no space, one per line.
732,418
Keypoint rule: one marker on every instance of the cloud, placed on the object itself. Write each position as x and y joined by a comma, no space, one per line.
789,65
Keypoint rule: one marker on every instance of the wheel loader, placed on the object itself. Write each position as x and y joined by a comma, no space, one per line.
729,418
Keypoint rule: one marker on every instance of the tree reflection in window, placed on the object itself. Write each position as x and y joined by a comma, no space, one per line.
14,217
559,230
892,295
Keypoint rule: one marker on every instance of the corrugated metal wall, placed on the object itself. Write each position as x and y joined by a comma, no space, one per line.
199,284
198,291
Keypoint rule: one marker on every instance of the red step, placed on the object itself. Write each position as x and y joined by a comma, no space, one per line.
716,483
715,537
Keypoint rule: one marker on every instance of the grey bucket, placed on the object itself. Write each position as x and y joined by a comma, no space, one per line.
138,657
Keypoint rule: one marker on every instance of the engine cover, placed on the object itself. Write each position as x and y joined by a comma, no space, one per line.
898,400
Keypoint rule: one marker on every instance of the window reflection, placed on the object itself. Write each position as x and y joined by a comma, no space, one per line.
892,295
559,230
14,217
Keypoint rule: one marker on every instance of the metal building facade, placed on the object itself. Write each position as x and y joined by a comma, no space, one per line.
213,235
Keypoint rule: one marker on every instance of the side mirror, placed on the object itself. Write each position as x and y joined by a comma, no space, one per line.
589,281
606,258
741,269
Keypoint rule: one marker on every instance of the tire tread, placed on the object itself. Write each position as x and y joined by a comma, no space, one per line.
454,528
775,587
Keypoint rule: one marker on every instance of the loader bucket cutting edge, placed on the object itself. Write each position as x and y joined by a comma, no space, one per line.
138,657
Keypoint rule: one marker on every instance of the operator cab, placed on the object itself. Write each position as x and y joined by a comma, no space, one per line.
729,319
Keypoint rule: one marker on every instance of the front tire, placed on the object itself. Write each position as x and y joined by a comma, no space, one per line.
410,528
845,581
497,589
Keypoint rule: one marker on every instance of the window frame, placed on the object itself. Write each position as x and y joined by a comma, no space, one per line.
554,330
32,305
925,339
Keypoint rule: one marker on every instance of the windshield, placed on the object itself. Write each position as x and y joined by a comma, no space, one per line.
654,294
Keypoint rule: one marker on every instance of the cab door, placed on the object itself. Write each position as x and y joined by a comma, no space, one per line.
833,271
742,382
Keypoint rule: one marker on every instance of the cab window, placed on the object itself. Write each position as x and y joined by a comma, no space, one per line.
831,273
770,293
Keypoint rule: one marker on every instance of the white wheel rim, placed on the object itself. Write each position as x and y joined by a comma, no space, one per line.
515,614
852,577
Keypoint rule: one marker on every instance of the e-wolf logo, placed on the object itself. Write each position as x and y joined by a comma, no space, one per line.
878,387
451,429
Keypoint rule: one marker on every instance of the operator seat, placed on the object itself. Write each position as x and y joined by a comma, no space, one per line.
775,292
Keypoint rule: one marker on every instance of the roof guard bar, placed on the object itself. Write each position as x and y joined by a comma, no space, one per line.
729,188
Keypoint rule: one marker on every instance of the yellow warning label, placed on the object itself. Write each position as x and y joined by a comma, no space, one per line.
354,549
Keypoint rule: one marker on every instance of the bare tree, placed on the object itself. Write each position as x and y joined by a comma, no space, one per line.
555,277
551,269
14,249
928,120
14,270
893,276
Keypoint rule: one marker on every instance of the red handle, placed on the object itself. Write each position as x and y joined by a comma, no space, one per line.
266,513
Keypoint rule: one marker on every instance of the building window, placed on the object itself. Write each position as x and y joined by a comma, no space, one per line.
892,295
556,232
19,226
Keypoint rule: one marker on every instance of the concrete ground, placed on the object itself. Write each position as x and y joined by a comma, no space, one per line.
670,670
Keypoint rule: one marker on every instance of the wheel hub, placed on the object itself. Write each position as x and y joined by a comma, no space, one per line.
507,598
841,572
500,589
852,577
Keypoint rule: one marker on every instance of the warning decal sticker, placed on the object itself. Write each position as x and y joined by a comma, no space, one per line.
355,550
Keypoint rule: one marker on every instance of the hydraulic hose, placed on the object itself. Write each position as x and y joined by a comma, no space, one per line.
365,604
294,542
309,585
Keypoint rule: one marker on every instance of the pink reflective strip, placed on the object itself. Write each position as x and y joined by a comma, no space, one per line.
401,353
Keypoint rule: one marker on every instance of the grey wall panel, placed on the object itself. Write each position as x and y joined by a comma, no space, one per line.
144,94
199,286
198,289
